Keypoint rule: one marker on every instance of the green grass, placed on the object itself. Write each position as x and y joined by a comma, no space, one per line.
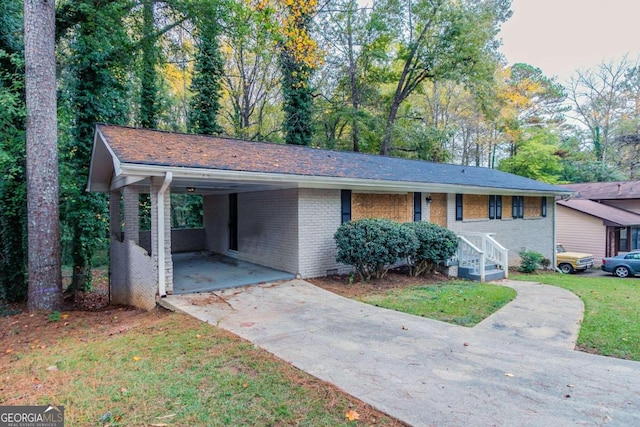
176,371
611,324
461,303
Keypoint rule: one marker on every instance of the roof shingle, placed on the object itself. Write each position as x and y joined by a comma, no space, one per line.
159,148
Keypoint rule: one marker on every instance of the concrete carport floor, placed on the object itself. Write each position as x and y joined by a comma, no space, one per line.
207,271
516,368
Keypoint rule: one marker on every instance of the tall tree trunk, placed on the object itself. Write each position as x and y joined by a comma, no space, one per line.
45,278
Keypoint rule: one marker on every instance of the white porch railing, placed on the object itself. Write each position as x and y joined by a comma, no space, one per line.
475,250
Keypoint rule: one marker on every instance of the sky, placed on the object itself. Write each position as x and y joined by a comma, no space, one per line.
560,36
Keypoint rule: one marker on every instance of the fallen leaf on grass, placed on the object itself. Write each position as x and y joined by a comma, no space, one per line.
158,425
52,368
9,350
136,358
352,415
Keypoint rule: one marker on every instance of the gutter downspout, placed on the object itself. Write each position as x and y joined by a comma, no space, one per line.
162,285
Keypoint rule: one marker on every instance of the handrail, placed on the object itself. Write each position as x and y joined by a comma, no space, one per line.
476,249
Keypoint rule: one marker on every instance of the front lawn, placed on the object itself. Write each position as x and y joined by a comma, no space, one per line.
611,324
461,303
122,367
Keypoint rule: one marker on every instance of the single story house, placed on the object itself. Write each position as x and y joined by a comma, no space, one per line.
279,205
601,218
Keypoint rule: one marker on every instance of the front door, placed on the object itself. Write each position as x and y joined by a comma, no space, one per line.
233,221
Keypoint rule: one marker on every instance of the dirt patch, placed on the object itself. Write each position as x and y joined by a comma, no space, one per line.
395,279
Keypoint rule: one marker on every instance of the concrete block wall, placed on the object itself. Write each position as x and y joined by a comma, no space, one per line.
268,229
319,216
532,234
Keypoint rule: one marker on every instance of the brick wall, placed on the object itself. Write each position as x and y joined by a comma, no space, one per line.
182,240
156,183
216,222
268,229
318,218
514,234
133,276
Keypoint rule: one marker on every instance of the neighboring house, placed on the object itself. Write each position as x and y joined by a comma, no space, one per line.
602,218
279,205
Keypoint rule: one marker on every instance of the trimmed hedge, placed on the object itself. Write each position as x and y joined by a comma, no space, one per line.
437,245
372,245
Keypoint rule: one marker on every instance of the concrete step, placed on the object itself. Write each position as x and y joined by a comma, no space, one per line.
489,275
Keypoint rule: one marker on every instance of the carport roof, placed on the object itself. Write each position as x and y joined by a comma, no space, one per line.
125,155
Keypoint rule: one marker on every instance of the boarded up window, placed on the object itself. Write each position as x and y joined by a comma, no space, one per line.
438,209
476,206
532,207
397,207
506,206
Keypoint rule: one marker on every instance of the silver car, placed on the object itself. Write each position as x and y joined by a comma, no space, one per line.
623,265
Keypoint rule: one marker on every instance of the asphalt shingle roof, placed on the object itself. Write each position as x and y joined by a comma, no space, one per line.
606,190
608,213
151,147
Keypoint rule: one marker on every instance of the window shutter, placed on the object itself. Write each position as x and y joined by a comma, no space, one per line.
345,205
543,207
458,207
417,207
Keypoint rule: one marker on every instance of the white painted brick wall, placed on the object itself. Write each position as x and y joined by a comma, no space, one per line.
133,276
131,203
319,216
268,227
156,184
531,234
216,222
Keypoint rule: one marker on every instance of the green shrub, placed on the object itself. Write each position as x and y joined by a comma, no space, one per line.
436,245
372,245
530,261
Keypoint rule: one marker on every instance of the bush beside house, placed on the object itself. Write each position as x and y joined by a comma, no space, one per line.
371,246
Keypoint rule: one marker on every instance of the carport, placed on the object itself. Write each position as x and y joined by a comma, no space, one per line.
205,271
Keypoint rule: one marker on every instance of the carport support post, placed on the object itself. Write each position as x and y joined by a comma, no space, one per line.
131,215
161,232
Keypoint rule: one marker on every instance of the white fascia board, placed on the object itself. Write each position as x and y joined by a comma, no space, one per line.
321,182
100,141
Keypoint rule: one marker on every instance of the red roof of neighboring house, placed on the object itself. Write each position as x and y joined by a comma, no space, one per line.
605,190
609,214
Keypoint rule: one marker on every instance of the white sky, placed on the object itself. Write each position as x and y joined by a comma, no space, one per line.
560,36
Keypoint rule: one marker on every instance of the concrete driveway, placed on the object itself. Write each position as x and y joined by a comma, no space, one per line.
517,368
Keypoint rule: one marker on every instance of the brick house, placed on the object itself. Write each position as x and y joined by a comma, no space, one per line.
601,218
279,205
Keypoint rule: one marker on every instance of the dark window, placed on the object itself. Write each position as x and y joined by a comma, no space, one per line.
345,202
458,207
543,207
495,207
417,207
517,207
624,240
